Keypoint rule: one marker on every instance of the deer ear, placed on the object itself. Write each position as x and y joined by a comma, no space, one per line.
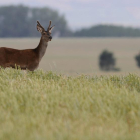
50,30
39,29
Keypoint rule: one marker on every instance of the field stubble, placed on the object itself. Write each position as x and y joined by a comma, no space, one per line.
80,55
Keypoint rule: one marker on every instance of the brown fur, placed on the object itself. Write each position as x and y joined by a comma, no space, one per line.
29,58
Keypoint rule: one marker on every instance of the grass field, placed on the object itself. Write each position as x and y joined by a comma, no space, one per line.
47,106
80,55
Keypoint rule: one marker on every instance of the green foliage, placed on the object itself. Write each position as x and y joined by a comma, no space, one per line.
20,21
108,31
137,58
107,61
45,105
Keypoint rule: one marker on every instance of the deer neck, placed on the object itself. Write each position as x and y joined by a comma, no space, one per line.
41,48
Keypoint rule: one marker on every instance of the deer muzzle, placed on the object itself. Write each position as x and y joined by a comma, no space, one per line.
50,38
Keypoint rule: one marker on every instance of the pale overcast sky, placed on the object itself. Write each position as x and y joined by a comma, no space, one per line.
84,13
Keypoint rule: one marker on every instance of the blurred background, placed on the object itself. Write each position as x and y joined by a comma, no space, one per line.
90,36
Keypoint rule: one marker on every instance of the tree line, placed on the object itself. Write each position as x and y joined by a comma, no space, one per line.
20,21
108,31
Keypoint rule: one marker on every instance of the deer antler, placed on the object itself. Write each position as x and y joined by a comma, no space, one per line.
49,25
40,25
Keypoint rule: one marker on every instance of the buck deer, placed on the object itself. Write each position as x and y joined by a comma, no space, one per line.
27,59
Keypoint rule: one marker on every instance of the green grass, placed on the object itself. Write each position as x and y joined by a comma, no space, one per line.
44,105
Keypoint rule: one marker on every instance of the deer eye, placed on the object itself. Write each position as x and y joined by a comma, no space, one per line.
44,33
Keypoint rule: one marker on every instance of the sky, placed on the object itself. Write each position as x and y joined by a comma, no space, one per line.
85,13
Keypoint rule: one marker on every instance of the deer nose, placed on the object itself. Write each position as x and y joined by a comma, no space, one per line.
50,37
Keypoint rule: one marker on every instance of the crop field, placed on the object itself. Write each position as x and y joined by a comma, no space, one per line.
44,105
80,55
68,97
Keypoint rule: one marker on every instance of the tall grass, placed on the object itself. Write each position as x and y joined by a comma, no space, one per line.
43,105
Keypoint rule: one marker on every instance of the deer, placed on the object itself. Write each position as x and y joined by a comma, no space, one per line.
27,59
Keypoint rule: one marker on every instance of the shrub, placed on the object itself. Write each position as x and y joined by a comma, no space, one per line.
107,61
137,58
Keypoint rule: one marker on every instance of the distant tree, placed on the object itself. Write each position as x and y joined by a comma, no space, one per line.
107,61
20,21
137,58
46,14
13,21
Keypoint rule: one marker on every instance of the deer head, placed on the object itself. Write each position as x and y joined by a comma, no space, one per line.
46,35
